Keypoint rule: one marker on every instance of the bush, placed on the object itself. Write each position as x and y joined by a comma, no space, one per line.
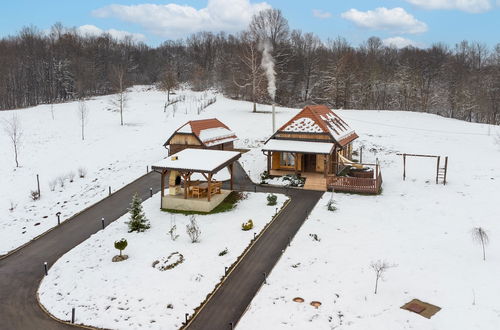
71,176
52,184
331,205
315,237
138,221
294,180
272,199
82,172
264,176
61,180
223,252
247,225
121,245
193,230
35,195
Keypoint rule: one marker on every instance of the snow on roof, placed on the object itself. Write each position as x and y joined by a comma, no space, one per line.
298,146
210,132
303,124
217,135
198,160
320,119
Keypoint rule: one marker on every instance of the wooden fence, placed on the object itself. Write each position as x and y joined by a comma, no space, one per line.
357,185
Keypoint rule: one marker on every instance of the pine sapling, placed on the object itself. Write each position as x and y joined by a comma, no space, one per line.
138,221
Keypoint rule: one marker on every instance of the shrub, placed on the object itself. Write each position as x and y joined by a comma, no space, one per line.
82,172
193,230
272,199
61,180
223,252
138,221
71,176
35,195
52,184
247,225
294,180
264,176
331,205
315,237
121,245
12,206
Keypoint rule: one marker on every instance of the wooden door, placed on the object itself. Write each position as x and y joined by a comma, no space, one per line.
309,163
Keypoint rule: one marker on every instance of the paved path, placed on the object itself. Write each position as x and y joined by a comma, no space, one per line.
21,272
234,296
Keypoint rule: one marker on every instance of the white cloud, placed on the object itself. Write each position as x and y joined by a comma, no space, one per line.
173,20
395,20
118,34
471,6
322,14
400,42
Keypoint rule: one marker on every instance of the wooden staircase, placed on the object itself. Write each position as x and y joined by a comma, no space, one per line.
315,181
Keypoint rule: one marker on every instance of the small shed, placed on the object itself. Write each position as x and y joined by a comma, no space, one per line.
201,134
186,194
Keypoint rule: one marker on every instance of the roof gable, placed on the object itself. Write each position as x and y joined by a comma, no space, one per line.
320,119
209,132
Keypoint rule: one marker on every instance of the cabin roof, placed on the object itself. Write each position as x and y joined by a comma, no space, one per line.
209,132
198,160
320,119
305,147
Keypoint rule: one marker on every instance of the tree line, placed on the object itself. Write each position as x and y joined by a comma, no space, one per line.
460,81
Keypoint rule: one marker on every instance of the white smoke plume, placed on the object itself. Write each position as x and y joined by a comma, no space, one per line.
268,66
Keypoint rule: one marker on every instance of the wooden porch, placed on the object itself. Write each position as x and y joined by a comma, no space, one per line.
362,183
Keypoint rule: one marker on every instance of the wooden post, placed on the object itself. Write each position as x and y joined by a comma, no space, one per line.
325,166
296,161
209,186
361,155
445,169
231,174
163,172
404,167
268,162
38,185
184,176
437,169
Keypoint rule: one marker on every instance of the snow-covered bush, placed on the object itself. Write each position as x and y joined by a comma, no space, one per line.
82,172
264,176
138,221
294,180
35,195
331,205
71,176
315,237
121,245
193,230
223,252
52,184
272,199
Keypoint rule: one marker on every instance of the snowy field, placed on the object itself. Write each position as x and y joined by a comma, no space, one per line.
112,155
132,294
421,228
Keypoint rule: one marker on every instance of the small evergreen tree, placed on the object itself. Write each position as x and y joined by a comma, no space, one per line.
138,221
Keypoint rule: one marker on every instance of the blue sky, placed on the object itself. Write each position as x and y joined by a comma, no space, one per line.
419,22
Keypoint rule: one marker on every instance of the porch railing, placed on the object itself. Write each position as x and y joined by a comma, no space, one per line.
355,184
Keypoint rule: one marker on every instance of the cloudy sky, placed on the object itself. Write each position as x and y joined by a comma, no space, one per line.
398,22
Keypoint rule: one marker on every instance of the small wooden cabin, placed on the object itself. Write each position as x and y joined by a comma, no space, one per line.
201,134
310,142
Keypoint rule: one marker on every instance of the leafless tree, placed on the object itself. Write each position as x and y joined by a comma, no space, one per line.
480,236
379,267
82,113
193,230
13,129
119,102
168,81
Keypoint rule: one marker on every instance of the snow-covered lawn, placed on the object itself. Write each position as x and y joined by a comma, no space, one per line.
422,228
132,294
112,155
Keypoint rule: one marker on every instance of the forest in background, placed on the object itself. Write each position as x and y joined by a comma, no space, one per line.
460,81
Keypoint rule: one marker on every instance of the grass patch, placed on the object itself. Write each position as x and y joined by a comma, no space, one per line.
227,204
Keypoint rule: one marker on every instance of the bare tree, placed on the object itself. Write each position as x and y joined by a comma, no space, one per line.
193,230
82,113
119,102
480,236
379,268
13,129
168,81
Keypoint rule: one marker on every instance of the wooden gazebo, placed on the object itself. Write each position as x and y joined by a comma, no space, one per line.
185,163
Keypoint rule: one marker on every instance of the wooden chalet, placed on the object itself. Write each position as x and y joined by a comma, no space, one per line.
317,144
201,134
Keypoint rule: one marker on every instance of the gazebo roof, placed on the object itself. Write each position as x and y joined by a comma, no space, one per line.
198,160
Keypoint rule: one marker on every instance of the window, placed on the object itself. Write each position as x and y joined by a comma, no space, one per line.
287,159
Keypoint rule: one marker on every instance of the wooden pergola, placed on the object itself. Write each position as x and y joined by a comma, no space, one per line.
204,161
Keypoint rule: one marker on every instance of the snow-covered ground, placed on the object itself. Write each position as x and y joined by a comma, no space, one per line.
421,228
112,155
132,294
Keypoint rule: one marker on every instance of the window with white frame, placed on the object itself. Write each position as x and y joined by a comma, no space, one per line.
287,159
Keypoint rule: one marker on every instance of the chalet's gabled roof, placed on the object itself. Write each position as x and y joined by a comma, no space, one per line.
320,119
209,132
